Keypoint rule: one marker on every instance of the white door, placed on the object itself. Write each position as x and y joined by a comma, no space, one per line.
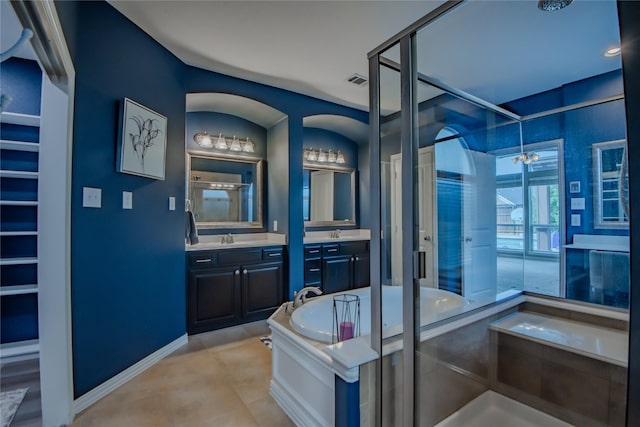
427,216
479,279
321,196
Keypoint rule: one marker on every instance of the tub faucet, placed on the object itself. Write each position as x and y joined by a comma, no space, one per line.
227,239
300,297
335,234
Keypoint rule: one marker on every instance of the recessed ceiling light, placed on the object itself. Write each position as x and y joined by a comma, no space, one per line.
613,51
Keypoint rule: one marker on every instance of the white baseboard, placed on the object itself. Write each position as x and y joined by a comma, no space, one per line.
92,396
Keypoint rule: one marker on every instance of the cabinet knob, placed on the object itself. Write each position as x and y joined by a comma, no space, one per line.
237,272
357,258
244,271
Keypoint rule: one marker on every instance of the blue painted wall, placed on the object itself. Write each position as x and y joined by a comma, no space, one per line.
128,269
21,80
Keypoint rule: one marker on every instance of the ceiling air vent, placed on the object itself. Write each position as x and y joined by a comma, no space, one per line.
357,79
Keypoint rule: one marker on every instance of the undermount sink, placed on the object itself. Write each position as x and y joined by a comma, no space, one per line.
239,241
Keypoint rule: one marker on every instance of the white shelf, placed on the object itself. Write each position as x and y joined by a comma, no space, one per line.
20,119
18,261
19,348
18,233
19,146
18,174
18,290
18,203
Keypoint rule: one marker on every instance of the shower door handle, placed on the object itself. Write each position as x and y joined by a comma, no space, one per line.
420,263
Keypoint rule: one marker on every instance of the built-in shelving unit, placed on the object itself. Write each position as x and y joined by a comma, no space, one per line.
18,228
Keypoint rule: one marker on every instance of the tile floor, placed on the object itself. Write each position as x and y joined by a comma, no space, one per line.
220,378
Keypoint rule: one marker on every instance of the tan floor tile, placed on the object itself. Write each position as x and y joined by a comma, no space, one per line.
257,329
223,385
268,414
147,412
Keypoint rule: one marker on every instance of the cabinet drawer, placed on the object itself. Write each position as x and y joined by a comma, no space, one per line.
312,251
357,247
273,254
239,256
201,259
312,272
330,250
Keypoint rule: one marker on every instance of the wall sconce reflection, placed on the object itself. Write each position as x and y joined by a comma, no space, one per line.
526,158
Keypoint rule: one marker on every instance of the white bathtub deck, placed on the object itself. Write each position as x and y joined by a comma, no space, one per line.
492,409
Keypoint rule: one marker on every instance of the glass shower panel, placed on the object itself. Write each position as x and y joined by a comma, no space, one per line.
391,240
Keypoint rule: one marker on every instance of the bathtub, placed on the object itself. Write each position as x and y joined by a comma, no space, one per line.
315,318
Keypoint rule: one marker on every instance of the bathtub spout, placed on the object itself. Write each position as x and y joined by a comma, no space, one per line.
301,296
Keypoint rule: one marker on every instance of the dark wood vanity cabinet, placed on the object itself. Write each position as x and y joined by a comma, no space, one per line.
227,287
336,267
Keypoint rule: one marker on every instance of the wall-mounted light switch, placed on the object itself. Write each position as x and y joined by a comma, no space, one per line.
275,225
91,197
577,203
127,200
172,203
575,220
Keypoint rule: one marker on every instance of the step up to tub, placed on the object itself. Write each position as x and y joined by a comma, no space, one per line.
607,345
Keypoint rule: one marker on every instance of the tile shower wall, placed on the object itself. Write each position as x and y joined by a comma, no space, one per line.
456,367
577,389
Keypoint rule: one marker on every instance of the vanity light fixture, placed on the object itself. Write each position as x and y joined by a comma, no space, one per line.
526,158
204,140
321,156
613,51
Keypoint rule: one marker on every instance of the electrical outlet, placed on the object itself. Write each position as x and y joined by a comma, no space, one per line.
91,197
172,203
275,225
127,200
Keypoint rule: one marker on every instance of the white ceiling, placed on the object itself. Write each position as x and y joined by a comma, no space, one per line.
309,47
497,50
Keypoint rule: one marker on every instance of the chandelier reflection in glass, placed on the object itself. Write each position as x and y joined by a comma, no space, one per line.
323,156
221,142
526,158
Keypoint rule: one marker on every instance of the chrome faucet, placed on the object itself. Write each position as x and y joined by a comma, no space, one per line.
335,234
300,297
228,238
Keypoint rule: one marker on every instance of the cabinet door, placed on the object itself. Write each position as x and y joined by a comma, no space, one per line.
361,271
214,299
261,289
336,274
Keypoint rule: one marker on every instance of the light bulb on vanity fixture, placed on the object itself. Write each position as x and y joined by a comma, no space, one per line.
221,143
248,147
235,145
203,140
322,157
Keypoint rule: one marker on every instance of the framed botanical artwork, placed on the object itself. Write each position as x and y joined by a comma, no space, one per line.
143,141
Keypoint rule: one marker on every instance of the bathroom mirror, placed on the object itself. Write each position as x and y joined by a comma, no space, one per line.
611,184
225,192
328,195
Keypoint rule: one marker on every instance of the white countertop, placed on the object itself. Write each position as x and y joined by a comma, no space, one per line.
247,240
345,236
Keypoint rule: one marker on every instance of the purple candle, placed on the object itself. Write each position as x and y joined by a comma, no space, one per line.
346,330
